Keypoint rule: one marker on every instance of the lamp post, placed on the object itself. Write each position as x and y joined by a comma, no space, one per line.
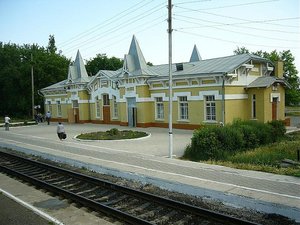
32,87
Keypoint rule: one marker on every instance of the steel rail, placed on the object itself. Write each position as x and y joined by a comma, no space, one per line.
208,214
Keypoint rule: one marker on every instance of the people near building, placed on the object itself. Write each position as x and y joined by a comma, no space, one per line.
60,131
48,117
36,118
40,117
6,121
203,91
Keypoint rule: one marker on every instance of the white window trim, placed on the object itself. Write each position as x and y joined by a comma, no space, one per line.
98,112
205,108
275,95
115,108
59,112
179,110
49,106
156,109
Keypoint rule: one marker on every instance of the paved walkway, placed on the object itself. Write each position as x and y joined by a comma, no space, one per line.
146,160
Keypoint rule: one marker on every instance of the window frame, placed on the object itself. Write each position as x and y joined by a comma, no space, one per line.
159,108
97,108
210,108
253,107
105,100
115,107
49,107
59,112
75,104
183,108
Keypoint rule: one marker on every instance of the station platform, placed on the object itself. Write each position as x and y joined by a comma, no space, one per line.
146,160
17,212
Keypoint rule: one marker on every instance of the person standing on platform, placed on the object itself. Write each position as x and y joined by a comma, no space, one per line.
48,117
6,121
60,131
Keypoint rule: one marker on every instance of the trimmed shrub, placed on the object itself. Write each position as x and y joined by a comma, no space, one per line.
113,132
230,139
216,143
205,144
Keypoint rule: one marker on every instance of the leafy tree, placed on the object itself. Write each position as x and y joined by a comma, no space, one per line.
15,76
51,45
292,95
241,50
102,62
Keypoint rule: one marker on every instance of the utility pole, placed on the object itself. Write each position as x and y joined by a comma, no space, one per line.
170,79
32,87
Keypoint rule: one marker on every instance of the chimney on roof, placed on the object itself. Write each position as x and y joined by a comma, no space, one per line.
279,69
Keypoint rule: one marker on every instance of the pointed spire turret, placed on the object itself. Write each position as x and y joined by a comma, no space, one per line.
195,55
77,69
134,60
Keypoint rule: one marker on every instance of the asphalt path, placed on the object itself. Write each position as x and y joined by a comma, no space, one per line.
146,160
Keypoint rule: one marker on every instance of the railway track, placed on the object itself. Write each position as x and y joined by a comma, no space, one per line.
128,205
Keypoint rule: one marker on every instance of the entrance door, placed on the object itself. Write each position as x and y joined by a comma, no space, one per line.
75,107
131,109
106,108
274,108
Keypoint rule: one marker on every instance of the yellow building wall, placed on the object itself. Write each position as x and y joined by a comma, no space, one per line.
64,111
83,95
54,106
145,112
281,112
93,111
84,113
235,90
123,112
236,109
260,103
264,104
256,71
112,111
122,92
268,104
196,109
143,91
196,112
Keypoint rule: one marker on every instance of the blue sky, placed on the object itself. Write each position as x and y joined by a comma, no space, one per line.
217,27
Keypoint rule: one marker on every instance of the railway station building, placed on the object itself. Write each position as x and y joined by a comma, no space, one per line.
205,91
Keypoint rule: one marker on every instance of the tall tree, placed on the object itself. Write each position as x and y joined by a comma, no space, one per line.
15,76
292,95
241,50
51,45
102,62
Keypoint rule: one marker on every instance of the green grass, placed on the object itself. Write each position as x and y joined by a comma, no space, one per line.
112,134
293,113
292,110
267,158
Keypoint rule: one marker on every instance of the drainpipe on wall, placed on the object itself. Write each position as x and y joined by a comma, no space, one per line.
223,98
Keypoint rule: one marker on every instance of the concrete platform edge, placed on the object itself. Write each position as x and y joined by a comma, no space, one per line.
225,198
32,208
